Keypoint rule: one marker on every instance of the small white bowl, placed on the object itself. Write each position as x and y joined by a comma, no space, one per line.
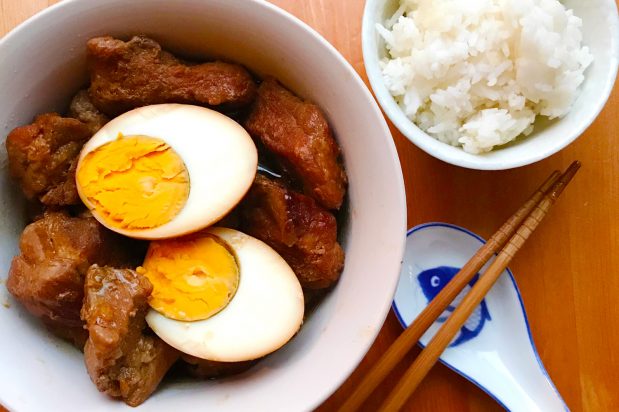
600,34
43,64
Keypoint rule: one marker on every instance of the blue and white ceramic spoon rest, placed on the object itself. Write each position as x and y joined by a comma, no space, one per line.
494,349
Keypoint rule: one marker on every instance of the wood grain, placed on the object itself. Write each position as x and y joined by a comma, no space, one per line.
428,357
567,273
424,320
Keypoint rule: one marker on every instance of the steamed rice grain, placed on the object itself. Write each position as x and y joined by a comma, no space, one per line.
476,73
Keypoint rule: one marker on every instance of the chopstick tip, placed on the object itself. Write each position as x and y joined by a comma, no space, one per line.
565,179
572,169
550,181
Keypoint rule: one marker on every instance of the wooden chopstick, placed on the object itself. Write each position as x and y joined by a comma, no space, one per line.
437,306
428,357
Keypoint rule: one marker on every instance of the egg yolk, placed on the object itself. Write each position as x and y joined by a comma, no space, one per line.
193,277
134,182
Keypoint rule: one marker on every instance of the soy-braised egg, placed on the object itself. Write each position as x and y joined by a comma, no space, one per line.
165,170
222,295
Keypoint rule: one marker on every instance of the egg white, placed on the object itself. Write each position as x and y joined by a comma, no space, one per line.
219,155
265,313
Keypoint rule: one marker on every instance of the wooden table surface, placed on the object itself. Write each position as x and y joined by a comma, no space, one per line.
568,272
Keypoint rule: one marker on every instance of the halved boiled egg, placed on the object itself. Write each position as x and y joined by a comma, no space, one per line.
165,170
222,295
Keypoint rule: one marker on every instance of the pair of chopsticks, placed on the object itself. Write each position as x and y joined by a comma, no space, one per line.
505,243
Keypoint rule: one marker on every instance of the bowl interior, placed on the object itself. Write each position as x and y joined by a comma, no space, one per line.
43,64
600,33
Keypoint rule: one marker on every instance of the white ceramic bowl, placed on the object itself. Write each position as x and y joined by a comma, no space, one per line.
42,65
600,33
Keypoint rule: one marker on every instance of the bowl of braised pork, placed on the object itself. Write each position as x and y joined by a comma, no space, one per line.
202,206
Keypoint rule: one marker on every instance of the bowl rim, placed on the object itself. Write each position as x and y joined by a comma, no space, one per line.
455,155
340,376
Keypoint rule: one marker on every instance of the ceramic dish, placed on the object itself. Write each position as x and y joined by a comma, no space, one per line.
43,65
494,349
600,33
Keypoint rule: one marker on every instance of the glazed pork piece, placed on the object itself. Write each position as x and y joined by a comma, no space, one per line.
43,157
206,369
122,359
47,277
75,335
126,75
298,134
84,110
299,229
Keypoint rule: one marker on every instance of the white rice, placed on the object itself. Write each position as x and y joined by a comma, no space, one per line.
475,73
